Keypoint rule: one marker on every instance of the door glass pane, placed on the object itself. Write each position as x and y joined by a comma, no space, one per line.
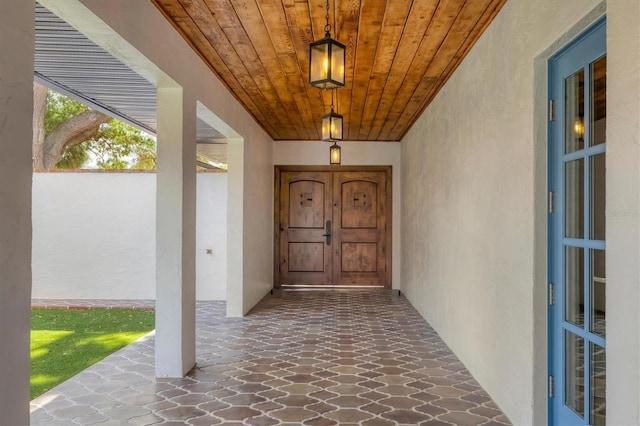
574,373
598,385
598,191
598,101
574,112
574,199
598,293
574,285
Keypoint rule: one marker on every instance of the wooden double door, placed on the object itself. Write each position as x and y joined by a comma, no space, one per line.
333,226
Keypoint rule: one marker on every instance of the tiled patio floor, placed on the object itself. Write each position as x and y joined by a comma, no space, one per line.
303,357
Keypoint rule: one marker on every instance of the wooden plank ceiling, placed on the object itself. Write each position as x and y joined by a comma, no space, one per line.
399,54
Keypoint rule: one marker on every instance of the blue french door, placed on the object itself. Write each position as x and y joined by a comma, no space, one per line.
577,249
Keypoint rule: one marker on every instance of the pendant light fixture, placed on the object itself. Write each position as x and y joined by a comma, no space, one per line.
332,132
332,125
334,154
326,71
326,60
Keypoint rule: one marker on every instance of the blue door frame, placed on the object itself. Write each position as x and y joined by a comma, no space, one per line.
583,51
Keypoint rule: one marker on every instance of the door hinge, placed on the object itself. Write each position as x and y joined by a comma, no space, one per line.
552,112
551,387
551,201
552,294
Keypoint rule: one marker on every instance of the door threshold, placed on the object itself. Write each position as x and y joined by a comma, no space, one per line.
328,287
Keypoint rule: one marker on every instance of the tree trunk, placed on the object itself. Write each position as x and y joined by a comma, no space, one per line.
39,108
69,133
48,149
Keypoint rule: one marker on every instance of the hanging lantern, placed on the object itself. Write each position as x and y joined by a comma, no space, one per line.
334,154
332,126
326,61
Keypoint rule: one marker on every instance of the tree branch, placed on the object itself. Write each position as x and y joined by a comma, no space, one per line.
71,132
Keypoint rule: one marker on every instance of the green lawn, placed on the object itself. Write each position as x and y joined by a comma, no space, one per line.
65,342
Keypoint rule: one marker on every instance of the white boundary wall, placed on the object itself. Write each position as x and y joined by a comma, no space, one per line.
94,235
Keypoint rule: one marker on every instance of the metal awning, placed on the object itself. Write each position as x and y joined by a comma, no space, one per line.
68,62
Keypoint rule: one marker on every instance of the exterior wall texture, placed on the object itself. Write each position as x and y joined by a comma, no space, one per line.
474,206
94,236
623,212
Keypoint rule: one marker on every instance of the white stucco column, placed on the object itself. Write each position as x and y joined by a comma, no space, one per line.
175,233
235,228
16,111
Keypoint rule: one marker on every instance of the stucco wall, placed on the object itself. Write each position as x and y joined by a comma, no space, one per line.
353,154
623,212
258,220
94,236
474,206
211,233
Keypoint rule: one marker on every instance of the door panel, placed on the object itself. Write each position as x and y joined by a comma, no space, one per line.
303,211
359,257
577,248
333,228
305,199
306,257
359,204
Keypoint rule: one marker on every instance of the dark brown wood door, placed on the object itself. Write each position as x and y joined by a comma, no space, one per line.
305,207
359,243
333,228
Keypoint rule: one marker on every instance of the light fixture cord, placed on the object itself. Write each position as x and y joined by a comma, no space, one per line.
327,28
332,90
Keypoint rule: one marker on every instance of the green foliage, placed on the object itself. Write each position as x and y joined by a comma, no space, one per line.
74,157
65,342
59,109
120,146
117,145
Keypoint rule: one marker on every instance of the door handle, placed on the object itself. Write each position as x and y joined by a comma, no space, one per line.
328,232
